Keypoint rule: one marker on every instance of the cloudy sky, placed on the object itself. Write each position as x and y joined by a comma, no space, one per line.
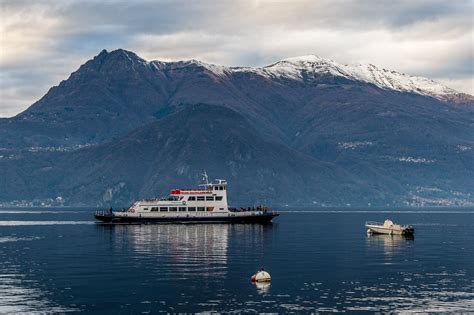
42,42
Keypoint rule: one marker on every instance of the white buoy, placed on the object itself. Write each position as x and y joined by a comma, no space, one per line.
261,276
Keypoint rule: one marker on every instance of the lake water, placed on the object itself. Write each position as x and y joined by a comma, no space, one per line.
59,260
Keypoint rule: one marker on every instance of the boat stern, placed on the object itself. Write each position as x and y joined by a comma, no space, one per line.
103,216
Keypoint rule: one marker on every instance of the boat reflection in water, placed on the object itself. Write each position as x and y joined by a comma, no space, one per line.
178,250
390,239
262,287
183,251
391,244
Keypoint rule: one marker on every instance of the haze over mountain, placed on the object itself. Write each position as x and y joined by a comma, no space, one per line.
301,131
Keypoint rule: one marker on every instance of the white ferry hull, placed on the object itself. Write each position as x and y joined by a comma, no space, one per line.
248,218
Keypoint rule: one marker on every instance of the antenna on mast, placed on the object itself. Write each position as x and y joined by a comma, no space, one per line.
205,178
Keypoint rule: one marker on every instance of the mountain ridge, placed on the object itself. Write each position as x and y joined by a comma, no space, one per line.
381,77
369,145
368,73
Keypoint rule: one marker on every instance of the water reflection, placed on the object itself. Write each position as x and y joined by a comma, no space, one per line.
389,239
185,251
390,243
262,287
180,239
179,250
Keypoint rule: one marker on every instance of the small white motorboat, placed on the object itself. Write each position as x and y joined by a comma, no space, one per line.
388,227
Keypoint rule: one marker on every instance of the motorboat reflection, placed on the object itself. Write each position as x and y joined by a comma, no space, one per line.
391,243
390,239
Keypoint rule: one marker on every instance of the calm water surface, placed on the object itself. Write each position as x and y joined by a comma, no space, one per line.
321,261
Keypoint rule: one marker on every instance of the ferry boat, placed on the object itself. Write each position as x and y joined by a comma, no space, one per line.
205,204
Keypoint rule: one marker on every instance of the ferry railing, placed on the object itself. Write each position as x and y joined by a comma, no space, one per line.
250,209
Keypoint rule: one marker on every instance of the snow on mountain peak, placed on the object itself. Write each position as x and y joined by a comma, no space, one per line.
299,67
310,66
393,80
303,59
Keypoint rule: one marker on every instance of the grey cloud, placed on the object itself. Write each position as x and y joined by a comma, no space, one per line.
47,40
163,17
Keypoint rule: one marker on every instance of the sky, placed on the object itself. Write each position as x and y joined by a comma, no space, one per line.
42,42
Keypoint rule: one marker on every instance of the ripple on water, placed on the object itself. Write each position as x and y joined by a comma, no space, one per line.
19,223
7,239
40,212
20,296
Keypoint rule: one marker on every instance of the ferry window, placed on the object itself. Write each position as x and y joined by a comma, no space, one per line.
218,198
200,198
181,198
223,187
216,187
173,209
163,208
192,209
182,208
192,198
209,198
154,209
145,208
200,208
210,208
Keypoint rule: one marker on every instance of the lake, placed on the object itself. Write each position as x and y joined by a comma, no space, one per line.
60,260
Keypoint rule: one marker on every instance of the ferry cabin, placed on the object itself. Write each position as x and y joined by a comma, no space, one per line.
213,198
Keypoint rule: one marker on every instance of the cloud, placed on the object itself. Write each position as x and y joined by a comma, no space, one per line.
42,42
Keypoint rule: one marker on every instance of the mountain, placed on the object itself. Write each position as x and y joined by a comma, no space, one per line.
170,152
116,92
301,131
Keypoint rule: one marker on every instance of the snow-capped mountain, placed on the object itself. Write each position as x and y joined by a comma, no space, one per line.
309,129
298,68
304,67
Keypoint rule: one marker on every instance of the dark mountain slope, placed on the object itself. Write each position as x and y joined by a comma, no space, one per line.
107,97
115,93
415,141
172,152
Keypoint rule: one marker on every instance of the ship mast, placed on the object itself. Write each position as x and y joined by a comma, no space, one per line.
205,178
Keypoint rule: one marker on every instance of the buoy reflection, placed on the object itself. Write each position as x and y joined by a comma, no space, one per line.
262,287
